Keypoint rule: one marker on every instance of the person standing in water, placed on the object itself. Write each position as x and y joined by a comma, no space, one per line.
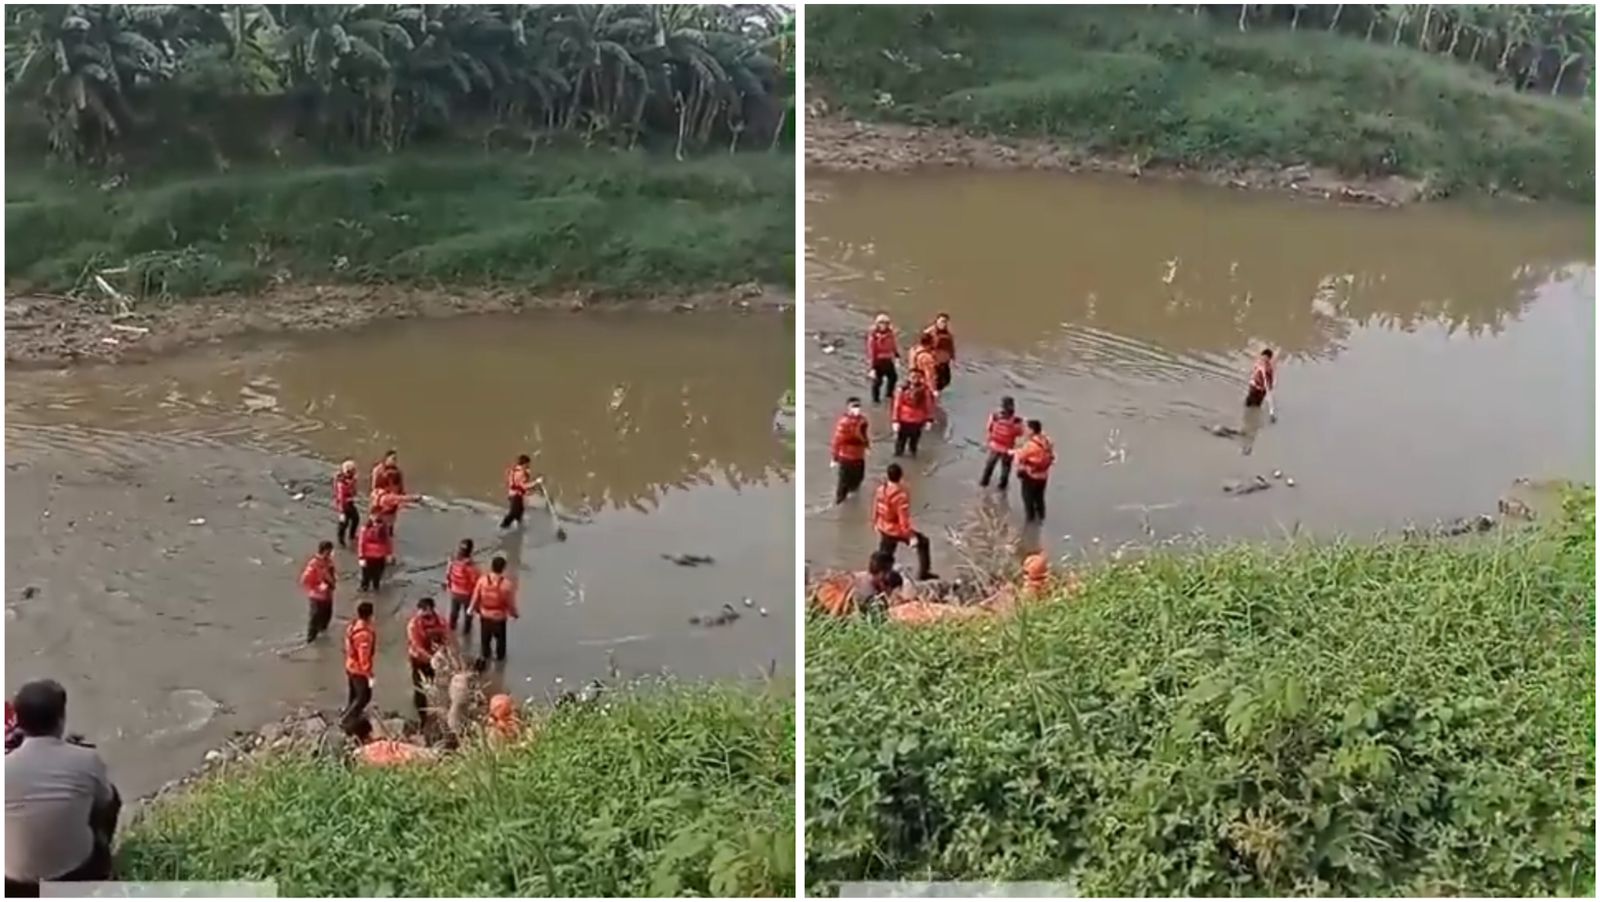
883,349
944,350
849,448
375,548
519,481
386,473
360,645
913,408
1263,377
1034,460
460,578
924,360
345,491
494,599
318,579
425,635
1004,430
891,517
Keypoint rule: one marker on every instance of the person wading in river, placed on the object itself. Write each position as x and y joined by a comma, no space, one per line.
913,408
425,635
1004,430
891,517
519,481
1034,459
360,645
345,490
375,548
1263,377
850,443
386,473
318,579
883,349
924,360
460,578
944,350
494,599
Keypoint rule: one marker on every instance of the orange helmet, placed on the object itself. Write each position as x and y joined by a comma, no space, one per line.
1035,567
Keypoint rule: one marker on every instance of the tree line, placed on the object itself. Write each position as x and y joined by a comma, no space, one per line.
385,76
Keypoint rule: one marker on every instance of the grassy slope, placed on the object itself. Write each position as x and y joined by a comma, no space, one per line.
619,224
687,790
1346,720
1186,91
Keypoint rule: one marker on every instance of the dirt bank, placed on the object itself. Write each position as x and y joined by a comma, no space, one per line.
834,143
50,330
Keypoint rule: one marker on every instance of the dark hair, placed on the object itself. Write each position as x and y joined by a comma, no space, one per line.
852,400
1267,353
1008,403
880,562
1035,426
894,472
364,610
941,315
425,604
41,708
324,546
524,459
498,565
361,729
391,453
464,550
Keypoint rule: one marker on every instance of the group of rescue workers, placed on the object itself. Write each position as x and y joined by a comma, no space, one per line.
490,597
1009,440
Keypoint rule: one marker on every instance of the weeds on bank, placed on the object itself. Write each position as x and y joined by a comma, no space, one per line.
1402,718
687,791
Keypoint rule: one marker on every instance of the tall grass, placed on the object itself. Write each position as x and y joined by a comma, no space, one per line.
683,791
622,224
1176,89
1392,719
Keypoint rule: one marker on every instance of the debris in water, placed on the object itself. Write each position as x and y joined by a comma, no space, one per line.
198,521
1246,487
170,499
763,612
1277,474
1289,481
747,602
688,560
298,496
1221,431
29,592
1172,271
725,616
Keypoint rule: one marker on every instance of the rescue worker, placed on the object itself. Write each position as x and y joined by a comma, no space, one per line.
344,502
1034,459
318,579
386,473
374,549
925,360
1262,379
1035,575
944,350
519,481
460,578
425,634
1004,430
883,349
849,448
494,599
503,725
913,408
360,646
891,517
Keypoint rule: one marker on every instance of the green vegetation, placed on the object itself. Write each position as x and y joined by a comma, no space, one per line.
622,223
1179,88
684,791
1406,718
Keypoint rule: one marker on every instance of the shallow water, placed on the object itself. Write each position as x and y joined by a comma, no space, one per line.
1428,356
655,432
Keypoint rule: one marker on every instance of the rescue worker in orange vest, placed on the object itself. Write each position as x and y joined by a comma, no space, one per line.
494,599
1033,470
386,473
925,360
1004,430
374,549
1263,376
425,634
318,579
360,645
519,481
913,408
460,578
891,517
944,350
883,349
345,490
849,448
503,725
1035,574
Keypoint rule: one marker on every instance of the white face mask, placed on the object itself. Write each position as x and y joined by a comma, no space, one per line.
853,410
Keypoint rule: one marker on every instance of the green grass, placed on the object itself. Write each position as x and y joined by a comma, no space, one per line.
1389,719
687,790
1179,90
621,224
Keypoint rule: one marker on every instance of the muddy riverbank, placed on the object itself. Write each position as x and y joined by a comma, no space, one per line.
51,330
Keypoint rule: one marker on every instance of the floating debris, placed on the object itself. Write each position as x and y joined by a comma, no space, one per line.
689,560
1246,487
198,521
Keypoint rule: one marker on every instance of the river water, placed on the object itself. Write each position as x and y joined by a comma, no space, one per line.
1428,356
158,550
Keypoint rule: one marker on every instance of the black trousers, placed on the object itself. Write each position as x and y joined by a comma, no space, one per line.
941,376
851,474
321,616
355,709
884,377
97,867
907,437
458,612
349,520
421,679
516,506
492,635
372,573
1032,497
996,458
889,545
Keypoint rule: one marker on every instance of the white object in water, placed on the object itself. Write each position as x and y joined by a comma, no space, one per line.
1289,481
1277,474
763,612
198,521
747,602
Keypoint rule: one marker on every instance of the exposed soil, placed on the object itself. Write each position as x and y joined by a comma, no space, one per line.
50,330
844,145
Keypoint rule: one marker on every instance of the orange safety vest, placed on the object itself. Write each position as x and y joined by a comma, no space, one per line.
891,511
360,641
1035,573
425,633
881,345
1036,456
318,572
461,577
913,406
375,543
388,476
517,479
497,597
924,361
944,344
1004,431
344,490
1262,377
850,439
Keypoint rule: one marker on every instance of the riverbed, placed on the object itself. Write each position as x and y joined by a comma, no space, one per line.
160,512
1429,355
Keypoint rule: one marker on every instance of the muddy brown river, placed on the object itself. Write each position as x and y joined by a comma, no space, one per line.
1429,355
154,533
